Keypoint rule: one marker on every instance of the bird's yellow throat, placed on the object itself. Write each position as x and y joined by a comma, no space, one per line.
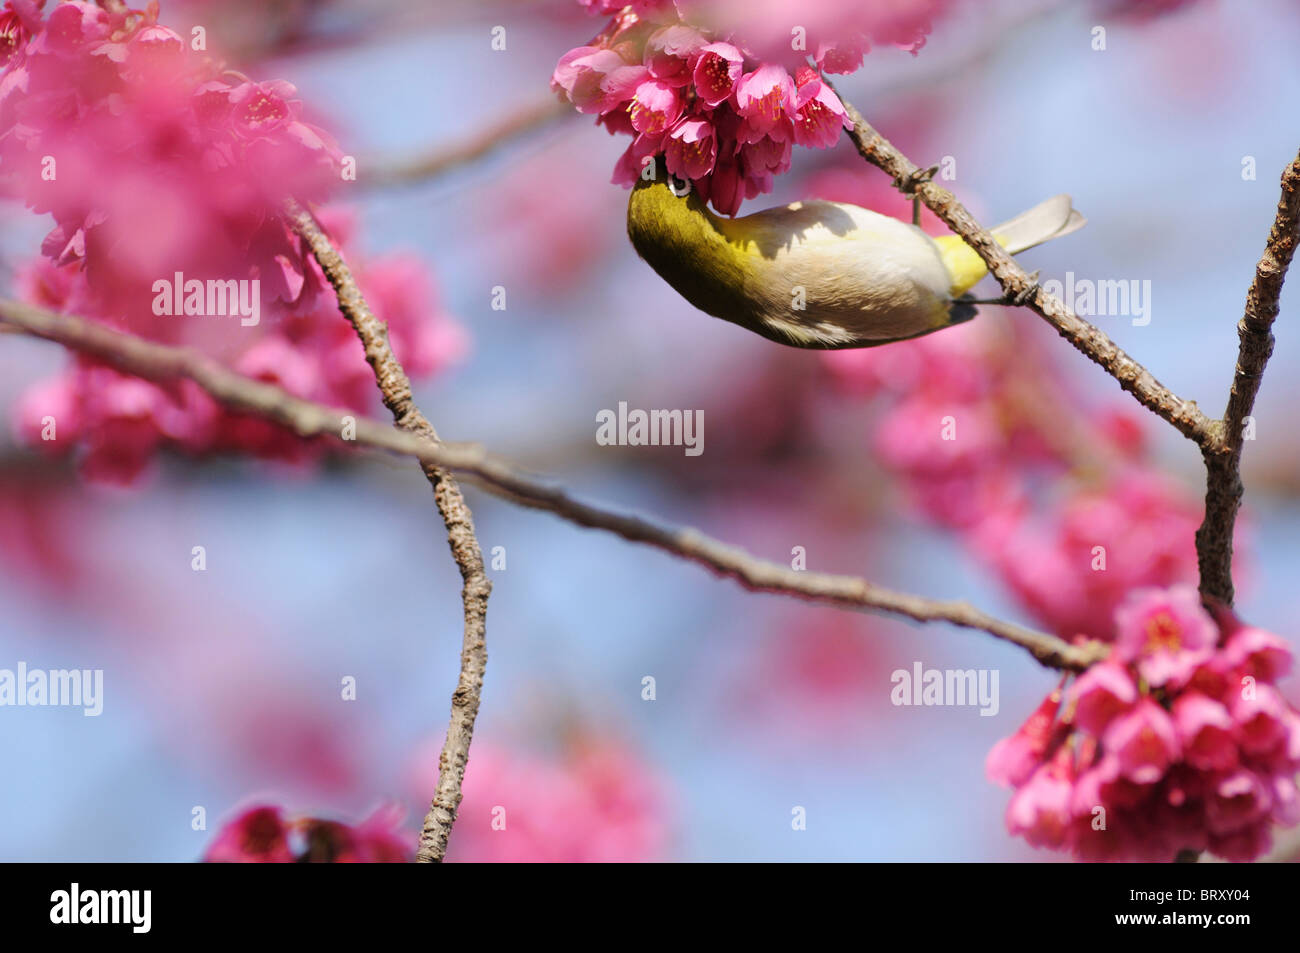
679,237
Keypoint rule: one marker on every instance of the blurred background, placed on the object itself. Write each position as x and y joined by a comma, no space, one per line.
222,687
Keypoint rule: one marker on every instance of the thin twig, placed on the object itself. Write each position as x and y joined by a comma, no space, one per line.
395,388
444,160
158,362
1223,489
1087,338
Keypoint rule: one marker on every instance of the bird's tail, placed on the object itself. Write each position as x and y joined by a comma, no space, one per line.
1045,221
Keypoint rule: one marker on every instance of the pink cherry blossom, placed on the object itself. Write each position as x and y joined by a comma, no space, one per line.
13,36
1013,759
843,56
1039,811
670,52
1100,694
71,27
819,115
655,107
765,100
1206,731
717,71
725,187
766,156
1242,845
1144,742
259,109
1286,800
582,73
692,149
1215,677
1104,784
1167,632
1261,717
259,835
638,158
1236,800
1257,653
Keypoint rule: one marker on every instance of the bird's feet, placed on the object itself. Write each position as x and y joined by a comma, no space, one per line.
907,185
1029,293
1017,299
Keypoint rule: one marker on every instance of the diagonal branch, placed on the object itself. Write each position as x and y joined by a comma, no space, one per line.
1090,340
158,362
395,387
511,127
1223,457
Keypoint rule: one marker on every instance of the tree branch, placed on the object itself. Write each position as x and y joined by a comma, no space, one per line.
1090,340
395,388
1223,488
160,363
437,163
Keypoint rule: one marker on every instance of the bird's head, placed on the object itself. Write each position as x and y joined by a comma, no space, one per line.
684,242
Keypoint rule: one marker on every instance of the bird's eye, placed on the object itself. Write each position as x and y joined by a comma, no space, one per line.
679,187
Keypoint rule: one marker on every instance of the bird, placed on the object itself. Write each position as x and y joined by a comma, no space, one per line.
817,274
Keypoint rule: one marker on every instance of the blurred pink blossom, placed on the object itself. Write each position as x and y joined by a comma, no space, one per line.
200,163
1100,694
1166,632
1012,760
987,441
262,835
594,802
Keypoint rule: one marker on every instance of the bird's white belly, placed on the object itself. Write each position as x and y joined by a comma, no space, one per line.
845,273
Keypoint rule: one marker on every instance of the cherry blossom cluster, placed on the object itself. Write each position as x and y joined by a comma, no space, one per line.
156,163
263,835
1178,741
724,107
196,157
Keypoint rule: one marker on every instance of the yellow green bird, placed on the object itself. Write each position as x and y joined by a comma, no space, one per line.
820,274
